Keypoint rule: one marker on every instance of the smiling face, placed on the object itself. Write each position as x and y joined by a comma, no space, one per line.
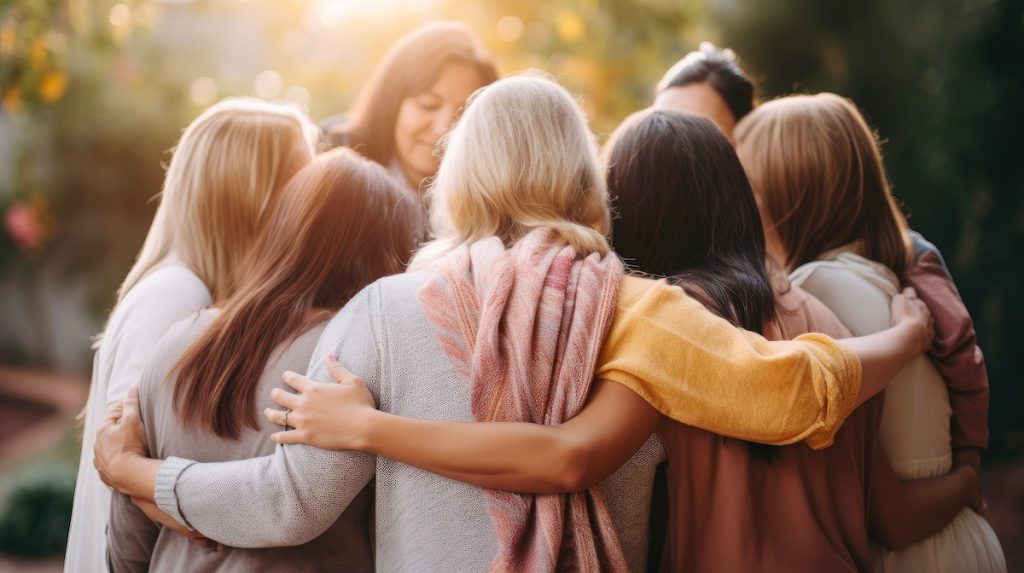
424,118
699,99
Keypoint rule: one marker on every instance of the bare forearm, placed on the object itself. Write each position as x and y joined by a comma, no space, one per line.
905,512
521,457
882,355
135,477
510,456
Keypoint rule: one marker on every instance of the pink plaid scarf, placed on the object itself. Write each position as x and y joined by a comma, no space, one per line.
524,326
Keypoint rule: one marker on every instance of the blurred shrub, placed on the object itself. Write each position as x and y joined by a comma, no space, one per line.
37,515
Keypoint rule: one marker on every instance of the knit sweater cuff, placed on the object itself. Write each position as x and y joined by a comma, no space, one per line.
165,495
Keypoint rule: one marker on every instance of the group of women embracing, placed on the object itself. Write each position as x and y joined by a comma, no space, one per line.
670,357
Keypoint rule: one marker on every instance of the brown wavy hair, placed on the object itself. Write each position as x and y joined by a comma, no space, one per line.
408,69
817,170
340,224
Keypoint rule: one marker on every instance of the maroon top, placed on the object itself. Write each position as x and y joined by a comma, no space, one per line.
802,510
955,352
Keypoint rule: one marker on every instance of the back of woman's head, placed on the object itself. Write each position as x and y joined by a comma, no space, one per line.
717,68
409,68
340,224
521,157
685,210
223,174
818,174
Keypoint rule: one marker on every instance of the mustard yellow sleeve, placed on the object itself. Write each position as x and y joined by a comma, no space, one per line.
698,369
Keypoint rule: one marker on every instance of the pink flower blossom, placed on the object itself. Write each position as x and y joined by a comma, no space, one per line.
24,226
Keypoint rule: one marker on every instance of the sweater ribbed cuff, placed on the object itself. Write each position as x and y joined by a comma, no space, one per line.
166,480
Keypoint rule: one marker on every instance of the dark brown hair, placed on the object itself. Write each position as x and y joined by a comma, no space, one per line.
717,68
340,224
685,210
817,170
408,69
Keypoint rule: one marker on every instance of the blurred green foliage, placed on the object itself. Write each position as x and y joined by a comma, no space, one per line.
37,515
95,92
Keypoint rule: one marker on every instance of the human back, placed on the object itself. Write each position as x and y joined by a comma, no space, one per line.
686,211
212,202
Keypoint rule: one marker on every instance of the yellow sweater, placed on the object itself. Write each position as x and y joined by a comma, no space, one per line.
697,368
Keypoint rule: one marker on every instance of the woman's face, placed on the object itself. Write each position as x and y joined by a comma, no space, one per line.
424,118
699,99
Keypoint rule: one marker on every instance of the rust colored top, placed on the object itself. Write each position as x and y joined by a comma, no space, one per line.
955,351
800,510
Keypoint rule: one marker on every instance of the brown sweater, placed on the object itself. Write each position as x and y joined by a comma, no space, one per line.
136,544
800,510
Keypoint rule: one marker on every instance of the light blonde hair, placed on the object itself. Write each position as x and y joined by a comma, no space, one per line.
521,157
223,174
817,171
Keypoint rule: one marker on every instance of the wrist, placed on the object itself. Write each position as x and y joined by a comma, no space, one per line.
139,476
914,342
369,429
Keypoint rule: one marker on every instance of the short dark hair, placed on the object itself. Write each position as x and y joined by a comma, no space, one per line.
717,68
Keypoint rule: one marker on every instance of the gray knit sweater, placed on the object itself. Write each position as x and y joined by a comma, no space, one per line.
136,544
424,522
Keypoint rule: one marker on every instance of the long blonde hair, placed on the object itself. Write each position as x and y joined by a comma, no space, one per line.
223,174
817,171
520,158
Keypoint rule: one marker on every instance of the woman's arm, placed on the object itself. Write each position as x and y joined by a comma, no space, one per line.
956,355
527,457
905,512
698,369
522,457
287,498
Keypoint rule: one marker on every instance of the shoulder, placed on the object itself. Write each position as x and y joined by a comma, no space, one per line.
177,283
800,312
178,338
847,272
637,291
390,299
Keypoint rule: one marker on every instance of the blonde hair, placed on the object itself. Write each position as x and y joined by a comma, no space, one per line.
223,174
817,171
520,158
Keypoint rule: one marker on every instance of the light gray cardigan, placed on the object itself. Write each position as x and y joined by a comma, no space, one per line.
136,544
424,522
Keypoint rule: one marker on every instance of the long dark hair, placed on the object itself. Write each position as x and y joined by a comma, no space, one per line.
717,68
342,222
408,69
685,210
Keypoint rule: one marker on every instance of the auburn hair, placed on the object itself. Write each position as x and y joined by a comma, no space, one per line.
340,224
817,170
408,69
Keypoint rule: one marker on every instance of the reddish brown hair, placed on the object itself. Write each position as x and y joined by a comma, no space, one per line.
816,168
408,69
340,224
